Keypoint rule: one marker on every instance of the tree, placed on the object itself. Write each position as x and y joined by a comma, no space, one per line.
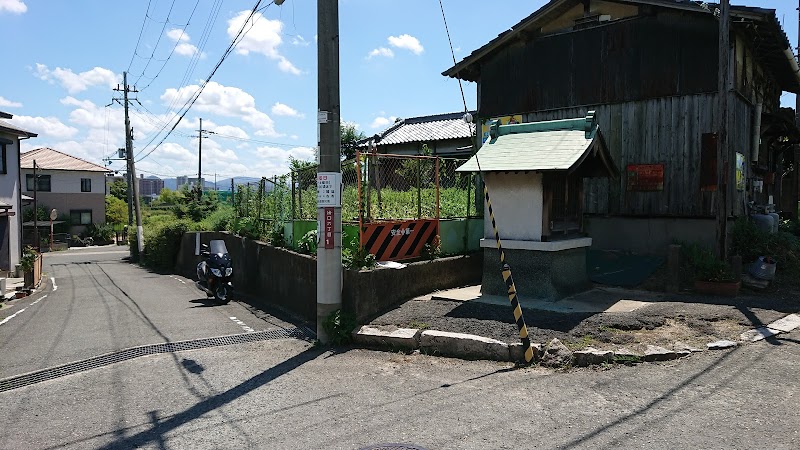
119,189
116,210
170,197
350,138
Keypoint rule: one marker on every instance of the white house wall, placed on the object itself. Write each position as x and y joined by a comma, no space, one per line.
9,193
517,203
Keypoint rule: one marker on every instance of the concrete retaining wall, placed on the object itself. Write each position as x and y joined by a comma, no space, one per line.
537,274
283,278
643,235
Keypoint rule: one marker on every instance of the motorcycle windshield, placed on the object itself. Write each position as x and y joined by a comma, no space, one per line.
217,247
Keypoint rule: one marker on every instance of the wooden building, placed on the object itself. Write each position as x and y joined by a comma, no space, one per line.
649,68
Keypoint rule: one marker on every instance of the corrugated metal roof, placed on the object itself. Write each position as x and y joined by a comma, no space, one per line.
439,127
8,128
544,150
49,159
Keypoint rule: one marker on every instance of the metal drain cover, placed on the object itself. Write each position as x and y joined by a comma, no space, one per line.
391,447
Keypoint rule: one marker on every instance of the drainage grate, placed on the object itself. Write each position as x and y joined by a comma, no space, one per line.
144,350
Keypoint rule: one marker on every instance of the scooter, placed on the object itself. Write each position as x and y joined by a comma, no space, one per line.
215,272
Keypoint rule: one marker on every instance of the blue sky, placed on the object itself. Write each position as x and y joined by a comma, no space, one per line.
62,60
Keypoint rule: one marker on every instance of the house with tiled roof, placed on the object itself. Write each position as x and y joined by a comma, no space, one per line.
10,195
71,185
446,135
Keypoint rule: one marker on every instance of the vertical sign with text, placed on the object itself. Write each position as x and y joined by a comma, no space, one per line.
328,227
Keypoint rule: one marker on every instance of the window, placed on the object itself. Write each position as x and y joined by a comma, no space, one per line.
86,185
44,183
80,216
3,168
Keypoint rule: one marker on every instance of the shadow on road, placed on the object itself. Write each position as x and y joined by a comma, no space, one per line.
156,433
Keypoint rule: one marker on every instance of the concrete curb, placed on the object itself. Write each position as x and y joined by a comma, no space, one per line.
470,346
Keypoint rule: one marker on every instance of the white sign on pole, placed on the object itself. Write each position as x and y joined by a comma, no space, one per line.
329,189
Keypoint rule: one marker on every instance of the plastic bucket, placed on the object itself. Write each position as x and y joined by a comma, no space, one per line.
763,268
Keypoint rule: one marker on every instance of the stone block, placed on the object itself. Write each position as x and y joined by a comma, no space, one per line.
387,336
591,356
556,354
462,345
758,334
786,324
721,345
656,353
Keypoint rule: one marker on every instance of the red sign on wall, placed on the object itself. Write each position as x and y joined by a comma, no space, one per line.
645,177
328,228
400,239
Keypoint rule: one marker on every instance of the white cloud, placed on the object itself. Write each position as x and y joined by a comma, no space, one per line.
382,122
407,42
176,152
263,36
275,161
48,126
8,103
75,83
182,39
13,6
226,101
381,51
229,130
301,41
279,109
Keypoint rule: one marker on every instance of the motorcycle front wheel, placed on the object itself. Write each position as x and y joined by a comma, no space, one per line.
222,293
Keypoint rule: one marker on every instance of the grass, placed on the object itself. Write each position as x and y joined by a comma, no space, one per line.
587,340
418,325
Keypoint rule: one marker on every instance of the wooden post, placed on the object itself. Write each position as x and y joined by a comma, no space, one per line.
722,127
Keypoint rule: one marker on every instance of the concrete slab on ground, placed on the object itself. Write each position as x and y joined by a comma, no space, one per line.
593,301
786,324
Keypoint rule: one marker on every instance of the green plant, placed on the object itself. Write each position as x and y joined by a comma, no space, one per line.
28,259
102,232
357,259
276,237
432,250
418,325
705,265
339,325
308,243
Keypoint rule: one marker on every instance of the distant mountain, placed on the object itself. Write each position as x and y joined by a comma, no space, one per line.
222,184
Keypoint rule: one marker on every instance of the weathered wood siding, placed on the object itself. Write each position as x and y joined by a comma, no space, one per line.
669,54
661,131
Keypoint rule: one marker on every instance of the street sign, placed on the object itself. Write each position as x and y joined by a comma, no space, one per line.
329,189
328,230
53,214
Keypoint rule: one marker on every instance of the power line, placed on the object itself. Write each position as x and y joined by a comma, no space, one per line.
144,23
187,106
155,47
177,42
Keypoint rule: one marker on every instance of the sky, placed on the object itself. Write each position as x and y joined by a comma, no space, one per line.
63,60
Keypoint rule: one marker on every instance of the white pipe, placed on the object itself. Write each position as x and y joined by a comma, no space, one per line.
756,132
795,68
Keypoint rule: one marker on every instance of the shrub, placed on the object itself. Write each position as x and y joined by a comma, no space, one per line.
162,243
28,258
705,266
103,232
750,242
219,220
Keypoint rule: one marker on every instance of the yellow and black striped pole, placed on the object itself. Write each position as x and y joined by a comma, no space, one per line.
512,290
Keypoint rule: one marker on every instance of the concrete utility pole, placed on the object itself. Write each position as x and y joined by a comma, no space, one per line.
35,208
797,52
200,160
722,130
329,250
134,183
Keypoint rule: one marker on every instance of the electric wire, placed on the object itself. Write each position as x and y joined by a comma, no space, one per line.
155,47
177,42
141,32
187,106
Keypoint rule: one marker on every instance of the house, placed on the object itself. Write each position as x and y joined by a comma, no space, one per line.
649,69
10,193
445,135
68,184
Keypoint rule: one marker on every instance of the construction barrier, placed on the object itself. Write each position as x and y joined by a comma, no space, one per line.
400,239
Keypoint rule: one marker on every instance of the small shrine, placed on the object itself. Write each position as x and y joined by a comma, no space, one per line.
534,173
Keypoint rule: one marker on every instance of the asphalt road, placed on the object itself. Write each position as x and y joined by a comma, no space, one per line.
94,302
286,394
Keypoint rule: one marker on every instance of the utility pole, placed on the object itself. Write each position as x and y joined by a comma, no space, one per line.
134,183
329,210
797,97
722,130
35,208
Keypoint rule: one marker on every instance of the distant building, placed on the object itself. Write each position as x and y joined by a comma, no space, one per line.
150,187
184,180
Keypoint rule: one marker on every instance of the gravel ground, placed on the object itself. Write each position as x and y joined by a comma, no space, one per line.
685,317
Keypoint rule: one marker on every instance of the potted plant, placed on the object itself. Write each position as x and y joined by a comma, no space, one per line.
27,263
711,275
